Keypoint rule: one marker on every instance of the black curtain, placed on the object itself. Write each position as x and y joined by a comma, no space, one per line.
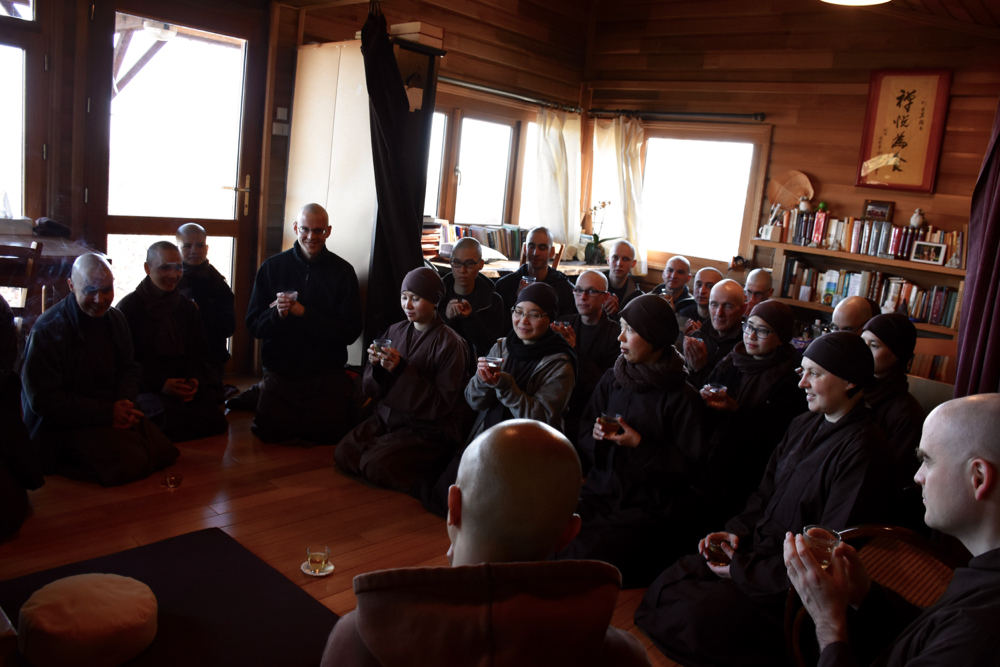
400,178
979,331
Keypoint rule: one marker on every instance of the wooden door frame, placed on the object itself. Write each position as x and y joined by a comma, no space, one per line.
251,25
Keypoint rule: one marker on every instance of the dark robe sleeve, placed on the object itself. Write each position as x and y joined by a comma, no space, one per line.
262,320
341,319
429,390
221,322
591,450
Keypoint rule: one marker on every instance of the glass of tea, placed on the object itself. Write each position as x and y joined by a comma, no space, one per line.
319,558
609,423
822,542
172,477
716,554
380,343
494,362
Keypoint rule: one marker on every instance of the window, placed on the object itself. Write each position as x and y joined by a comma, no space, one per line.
12,138
483,167
435,165
703,188
529,180
19,9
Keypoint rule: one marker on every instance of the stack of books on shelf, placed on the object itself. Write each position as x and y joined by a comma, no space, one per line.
864,236
430,236
932,367
939,305
505,239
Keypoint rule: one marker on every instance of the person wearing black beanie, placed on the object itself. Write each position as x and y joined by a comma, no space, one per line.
891,339
415,374
642,431
830,469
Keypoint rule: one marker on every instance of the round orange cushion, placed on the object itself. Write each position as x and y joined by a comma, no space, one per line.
88,620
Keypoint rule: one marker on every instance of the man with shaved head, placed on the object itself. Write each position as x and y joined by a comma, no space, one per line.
501,601
707,346
594,336
306,308
758,288
696,313
539,249
960,480
471,305
622,287
81,382
852,314
180,390
204,285
676,276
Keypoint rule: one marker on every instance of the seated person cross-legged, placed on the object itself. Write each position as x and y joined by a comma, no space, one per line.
180,391
830,469
534,380
638,504
81,382
752,396
417,382
500,602
960,480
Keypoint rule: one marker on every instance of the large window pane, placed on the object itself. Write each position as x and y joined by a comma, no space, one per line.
127,253
483,161
12,132
175,121
435,162
19,9
694,195
528,214
608,222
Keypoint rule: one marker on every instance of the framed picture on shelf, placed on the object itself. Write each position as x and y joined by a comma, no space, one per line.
928,253
904,125
879,210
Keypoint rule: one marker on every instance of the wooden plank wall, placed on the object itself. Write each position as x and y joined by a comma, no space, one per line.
807,67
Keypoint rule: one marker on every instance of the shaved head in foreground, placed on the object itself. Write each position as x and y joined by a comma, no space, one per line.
515,495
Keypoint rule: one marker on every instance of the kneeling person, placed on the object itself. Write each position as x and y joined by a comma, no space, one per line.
500,602
179,391
80,386
418,384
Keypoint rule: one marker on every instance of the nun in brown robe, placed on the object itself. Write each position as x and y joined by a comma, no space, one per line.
639,505
417,383
830,469
749,418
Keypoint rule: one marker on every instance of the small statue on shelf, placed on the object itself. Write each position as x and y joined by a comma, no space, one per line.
917,219
804,204
954,262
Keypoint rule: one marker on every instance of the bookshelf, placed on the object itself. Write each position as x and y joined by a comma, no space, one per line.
777,254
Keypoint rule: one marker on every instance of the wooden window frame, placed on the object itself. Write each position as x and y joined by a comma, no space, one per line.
759,136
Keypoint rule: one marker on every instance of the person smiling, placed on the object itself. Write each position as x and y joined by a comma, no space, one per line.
829,469
638,505
417,381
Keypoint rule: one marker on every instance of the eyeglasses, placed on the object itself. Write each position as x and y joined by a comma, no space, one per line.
533,315
755,295
834,327
761,333
467,264
590,291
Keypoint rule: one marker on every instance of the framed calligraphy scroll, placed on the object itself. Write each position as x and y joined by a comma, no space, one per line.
904,125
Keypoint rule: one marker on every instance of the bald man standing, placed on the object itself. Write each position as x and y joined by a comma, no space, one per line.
500,602
539,249
852,314
707,346
81,382
180,390
960,479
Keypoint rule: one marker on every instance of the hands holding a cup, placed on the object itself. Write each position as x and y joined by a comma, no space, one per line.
458,309
381,354
695,353
715,397
607,427
611,304
488,370
287,304
718,549
566,331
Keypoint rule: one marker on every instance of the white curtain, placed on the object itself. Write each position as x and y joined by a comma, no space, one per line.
621,140
559,177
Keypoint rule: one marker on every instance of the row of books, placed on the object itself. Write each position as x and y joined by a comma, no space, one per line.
932,367
865,236
939,305
430,237
505,239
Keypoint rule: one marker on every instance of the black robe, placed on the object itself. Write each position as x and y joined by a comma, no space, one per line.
305,396
742,442
625,293
681,302
507,289
488,320
76,367
717,345
415,429
831,474
204,285
959,629
169,342
640,507
597,349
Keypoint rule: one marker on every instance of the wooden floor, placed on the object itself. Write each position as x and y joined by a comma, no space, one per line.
274,500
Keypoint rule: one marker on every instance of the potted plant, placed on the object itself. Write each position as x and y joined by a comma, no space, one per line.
594,252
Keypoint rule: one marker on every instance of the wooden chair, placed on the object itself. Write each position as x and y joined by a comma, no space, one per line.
897,558
555,258
18,268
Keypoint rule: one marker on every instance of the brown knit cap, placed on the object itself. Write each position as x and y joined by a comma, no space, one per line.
425,283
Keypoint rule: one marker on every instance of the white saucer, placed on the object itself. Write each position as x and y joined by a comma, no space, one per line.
327,570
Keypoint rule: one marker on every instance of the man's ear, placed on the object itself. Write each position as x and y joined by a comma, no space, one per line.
984,478
145,267
69,282
454,506
570,532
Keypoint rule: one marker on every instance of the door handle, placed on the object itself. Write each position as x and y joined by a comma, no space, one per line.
246,194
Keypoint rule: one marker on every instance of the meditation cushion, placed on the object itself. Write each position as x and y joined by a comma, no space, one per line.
89,620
